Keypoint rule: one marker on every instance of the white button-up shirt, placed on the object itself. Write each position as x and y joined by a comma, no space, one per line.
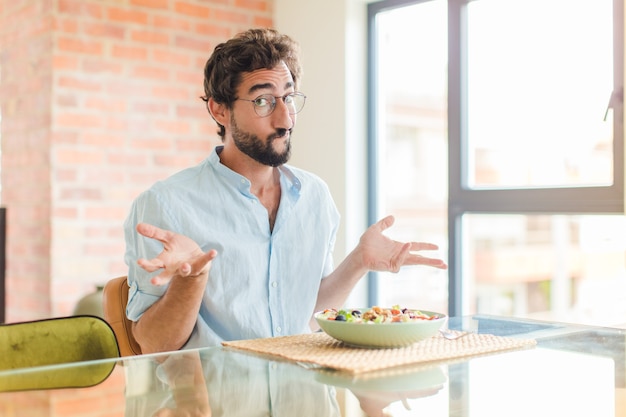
262,283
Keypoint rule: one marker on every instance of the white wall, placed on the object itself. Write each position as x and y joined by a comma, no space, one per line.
330,137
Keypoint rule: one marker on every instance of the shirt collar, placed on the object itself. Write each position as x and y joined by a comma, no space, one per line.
242,183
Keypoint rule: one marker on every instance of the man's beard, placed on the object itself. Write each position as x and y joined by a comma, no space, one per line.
260,151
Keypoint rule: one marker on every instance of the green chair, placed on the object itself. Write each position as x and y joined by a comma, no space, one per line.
29,349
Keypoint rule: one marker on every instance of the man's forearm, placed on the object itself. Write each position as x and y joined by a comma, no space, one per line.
168,323
336,287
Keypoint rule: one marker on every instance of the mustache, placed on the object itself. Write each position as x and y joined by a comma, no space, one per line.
279,134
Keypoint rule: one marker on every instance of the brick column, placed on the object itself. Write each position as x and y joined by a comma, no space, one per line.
99,99
25,96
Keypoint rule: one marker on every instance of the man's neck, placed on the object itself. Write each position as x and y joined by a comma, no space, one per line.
262,177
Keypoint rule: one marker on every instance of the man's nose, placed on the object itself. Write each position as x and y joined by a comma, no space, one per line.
282,117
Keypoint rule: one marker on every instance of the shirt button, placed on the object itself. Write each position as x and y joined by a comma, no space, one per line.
274,284
279,329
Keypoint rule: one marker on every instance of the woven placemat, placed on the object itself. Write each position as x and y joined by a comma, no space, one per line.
322,350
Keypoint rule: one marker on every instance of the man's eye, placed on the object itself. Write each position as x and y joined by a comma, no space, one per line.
262,102
288,99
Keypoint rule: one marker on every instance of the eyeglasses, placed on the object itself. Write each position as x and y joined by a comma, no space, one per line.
265,104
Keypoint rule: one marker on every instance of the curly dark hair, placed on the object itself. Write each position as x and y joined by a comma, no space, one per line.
248,51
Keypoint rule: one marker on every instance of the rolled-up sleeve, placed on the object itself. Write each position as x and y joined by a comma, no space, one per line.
142,294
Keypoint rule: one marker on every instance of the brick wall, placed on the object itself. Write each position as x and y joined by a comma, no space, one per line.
25,96
99,99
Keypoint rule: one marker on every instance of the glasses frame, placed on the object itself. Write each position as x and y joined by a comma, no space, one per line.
273,100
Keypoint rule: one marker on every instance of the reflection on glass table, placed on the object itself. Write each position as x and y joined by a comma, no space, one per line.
573,370
225,382
219,382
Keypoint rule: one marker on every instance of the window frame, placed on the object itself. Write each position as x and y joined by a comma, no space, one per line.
462,199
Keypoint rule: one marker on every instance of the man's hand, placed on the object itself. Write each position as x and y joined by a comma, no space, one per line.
181,256
379,253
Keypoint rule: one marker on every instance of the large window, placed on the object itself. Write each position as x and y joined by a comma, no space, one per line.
497,132
409,145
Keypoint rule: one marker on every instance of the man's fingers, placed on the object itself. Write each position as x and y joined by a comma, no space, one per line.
400,259
423,260
209,256
145,229
416,259
185,269
180,257
150,265
199,265
417,246
161,279
385,223
153,232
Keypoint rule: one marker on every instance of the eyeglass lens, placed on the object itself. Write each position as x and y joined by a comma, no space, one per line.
265,104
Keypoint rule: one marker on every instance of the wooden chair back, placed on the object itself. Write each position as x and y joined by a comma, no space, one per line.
115,298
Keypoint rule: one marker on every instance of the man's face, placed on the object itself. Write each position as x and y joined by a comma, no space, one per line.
267,139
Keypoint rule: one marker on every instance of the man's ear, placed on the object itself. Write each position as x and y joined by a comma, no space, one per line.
219,111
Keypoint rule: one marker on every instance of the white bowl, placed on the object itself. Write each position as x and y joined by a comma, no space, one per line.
382,335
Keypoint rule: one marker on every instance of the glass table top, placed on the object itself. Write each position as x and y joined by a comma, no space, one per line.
573,370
